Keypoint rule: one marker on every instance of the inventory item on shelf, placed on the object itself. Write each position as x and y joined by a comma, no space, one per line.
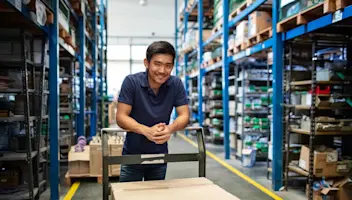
258,21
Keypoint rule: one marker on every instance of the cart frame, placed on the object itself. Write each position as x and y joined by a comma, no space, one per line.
149,158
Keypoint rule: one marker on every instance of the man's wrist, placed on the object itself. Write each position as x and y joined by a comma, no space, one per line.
173,127
141,129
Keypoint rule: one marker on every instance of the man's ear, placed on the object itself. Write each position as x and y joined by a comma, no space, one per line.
146,63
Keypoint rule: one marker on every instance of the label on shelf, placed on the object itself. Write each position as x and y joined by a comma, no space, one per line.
18,5
337,16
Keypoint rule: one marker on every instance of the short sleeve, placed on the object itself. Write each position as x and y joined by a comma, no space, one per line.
127,91
180,96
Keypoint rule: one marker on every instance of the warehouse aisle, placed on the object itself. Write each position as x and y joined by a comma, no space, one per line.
215,172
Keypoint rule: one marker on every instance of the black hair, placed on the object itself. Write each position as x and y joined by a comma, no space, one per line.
160,47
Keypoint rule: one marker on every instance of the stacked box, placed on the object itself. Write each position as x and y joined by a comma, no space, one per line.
218,9
78,162
258,21
241,32
292,7
115,146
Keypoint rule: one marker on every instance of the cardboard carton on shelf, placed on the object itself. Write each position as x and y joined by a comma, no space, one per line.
78,162
258,21
336,189
95,158
241,32
324,162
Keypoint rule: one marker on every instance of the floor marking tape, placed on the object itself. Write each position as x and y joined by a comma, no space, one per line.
233,170
72,191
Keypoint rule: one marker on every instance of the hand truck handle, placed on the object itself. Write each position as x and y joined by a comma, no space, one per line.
149,158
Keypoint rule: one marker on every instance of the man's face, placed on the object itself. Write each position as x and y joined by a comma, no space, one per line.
159,68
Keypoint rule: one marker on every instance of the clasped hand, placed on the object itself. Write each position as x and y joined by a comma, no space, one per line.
159,133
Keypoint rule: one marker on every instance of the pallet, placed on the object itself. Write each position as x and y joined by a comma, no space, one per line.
307,15
240,47
217,27
260,37
99,178
69,177
66,37
339,4
238,10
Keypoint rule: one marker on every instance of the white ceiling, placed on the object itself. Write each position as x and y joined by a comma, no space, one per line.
128,18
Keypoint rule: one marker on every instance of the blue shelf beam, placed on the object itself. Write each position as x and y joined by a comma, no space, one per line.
225,80
200,61
277,139
213,67
176,36
254,49
245,13
185,58
82,75
93,118
101,61
194,52
193,6
54,104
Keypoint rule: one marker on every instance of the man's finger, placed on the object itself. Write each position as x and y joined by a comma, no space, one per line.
159,133
160,141
160,137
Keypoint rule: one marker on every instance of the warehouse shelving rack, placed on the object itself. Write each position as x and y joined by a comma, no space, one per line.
29,154
337,43
24,16
241,96
275,42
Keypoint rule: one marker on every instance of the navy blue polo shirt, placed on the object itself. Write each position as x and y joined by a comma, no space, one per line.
149,109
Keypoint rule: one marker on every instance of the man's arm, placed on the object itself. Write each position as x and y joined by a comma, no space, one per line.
182,120
125,121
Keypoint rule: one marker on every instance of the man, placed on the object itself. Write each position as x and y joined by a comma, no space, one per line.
144,107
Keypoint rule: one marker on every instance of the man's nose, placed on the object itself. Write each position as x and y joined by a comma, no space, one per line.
162,70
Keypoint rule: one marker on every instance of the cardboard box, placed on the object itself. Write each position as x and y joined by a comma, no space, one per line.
344,166
96,158
241,32
78,162
258,21
324,194
306,99
176,189
345,189
325,161
115,146
340,189
206,35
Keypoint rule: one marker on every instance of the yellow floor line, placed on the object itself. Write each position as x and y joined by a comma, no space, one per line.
72,191
235,171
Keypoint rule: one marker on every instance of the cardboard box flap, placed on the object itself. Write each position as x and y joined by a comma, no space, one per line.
341,182
79,156
325,191
192,189
147,185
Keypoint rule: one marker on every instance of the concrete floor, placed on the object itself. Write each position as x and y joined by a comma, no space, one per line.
221,176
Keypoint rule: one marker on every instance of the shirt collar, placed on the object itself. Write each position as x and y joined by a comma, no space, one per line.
145,83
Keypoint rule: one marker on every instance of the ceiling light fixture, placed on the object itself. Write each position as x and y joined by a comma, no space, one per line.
143,2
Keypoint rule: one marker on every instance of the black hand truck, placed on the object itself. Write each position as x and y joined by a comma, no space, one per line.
149,158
